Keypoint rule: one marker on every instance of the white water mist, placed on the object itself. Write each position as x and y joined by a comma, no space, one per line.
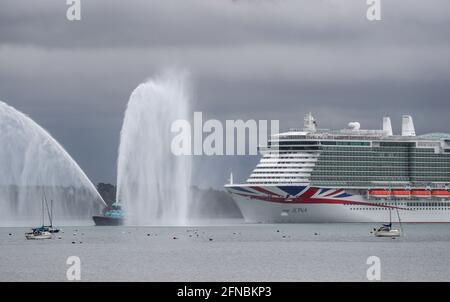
34,164
153,184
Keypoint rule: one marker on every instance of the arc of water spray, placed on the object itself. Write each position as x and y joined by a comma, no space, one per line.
32,157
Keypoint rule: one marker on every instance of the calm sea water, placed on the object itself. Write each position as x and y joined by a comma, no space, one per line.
233,251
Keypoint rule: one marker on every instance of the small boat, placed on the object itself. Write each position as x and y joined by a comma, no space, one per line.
440,193
386,231
112,217
420,193
38,235
401,193
44,231
379,193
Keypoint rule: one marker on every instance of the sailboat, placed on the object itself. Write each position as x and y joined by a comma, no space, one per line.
40,232
38,235
386,230
50,228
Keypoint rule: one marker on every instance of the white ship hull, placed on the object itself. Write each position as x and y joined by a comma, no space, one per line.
272,204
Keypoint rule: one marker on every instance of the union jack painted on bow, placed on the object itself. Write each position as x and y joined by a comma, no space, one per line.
301,194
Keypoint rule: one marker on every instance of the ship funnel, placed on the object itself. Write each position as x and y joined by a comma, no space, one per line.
387,126
310,123
408,126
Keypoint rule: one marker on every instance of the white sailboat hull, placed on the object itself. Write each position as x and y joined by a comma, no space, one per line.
39,236
390,233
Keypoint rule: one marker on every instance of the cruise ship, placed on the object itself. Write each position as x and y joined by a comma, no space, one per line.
348,175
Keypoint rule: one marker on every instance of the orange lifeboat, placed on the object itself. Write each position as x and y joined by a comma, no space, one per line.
380,193
441,193
420,193
401,193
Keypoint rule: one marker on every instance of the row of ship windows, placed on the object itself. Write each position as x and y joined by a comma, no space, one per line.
315,149
362,167
384,159
334,154
382,209
376,176
376,149
380,179
348,149
326,149
357,155
388,149
342,138
383,153
404,149
397,144
285,167
357,145
410,204
377,169
279,178
288,159
305,158
289,162
282,155
277,182
341,175
386,172
363,183
293,153
386,154
297,163
287,153
302,142
281,172
428,204
393,145
377,164
280,175
360,181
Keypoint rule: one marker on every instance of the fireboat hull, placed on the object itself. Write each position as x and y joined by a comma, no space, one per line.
107,221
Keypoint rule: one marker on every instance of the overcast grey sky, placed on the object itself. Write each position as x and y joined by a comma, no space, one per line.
248,59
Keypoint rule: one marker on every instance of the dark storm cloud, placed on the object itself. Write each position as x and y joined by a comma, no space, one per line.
171,23
248,59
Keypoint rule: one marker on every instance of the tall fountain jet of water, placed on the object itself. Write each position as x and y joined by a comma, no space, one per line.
33,165
153,184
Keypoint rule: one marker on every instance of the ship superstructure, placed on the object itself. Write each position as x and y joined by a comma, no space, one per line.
348,175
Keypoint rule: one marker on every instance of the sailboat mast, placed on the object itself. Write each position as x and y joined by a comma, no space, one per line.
43,215
51,212
399,221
